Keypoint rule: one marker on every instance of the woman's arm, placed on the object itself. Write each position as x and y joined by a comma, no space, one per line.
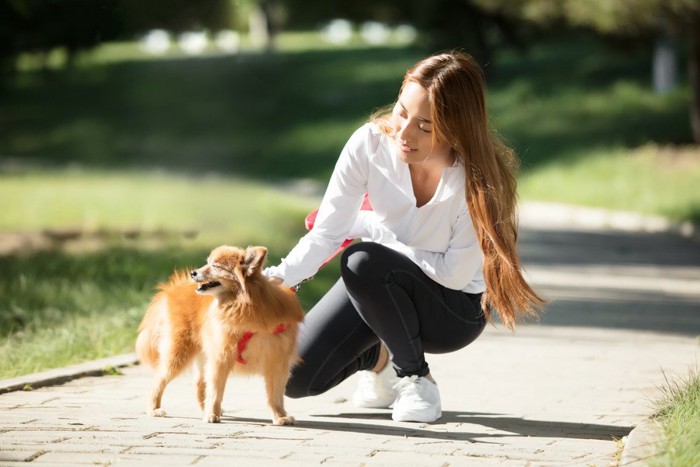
336,214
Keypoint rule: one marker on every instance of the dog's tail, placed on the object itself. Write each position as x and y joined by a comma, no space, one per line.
148,340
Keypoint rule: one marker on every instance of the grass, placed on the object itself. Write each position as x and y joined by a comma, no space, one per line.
650,180
278,116
60,308
148,200
66,305
577,113
590,131
678,411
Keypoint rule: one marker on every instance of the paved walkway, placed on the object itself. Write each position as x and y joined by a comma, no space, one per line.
624,312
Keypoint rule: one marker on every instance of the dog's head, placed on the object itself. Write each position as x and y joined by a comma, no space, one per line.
228,269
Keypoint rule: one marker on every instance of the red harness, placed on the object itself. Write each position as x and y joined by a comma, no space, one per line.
243,343
309,221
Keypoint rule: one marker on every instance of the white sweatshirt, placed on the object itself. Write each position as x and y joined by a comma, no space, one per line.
439,236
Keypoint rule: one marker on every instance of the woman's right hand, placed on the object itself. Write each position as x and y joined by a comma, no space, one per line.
275,280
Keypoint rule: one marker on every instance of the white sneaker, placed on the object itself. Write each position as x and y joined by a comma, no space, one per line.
418,400
375,390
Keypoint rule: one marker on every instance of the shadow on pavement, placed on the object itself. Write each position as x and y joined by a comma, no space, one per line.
622,280
539,428
507,426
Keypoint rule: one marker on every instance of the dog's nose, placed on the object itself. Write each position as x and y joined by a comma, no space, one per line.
193,274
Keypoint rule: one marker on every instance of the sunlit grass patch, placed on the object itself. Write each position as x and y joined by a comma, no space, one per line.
64,308
678,411
648,180
91,200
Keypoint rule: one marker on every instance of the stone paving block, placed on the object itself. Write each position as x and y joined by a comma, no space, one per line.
329,457
168,450
20,455
17,438
407,458
85,448
60,458
249,462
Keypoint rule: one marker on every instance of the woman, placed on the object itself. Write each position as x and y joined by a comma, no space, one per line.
439,249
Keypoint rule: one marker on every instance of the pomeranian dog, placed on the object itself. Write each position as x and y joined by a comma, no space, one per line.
223,318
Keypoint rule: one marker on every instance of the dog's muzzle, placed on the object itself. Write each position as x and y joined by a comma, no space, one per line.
205,286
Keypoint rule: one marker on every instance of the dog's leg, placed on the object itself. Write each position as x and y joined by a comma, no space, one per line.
170,366
200,385
161,381
217,371
275,383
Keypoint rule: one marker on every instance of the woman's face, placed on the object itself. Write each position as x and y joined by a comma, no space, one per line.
413,128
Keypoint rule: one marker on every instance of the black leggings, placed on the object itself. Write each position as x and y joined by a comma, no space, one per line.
381,296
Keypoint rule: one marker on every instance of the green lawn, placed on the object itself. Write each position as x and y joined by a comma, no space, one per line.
590,131
576,112
269,117
84,300
64,308
649,180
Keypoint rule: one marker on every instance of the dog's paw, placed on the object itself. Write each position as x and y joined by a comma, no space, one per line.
286,420
156,413
212,418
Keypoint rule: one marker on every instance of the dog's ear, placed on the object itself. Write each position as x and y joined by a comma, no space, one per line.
254,259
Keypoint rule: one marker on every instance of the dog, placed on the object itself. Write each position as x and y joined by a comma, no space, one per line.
225,317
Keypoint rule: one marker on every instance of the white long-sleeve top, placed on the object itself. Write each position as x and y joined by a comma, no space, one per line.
439,236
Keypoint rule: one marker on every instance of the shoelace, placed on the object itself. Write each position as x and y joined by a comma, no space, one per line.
408,387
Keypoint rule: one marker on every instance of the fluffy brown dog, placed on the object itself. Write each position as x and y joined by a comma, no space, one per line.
231,320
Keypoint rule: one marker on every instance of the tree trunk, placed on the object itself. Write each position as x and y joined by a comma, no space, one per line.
263,25
694,82
257,27
272,13
665,65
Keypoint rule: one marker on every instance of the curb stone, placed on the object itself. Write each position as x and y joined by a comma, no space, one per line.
62,375
545,214
642,444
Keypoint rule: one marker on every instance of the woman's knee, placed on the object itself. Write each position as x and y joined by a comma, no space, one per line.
298,388
295,392
364,260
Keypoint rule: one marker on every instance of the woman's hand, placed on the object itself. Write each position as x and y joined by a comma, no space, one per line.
275,280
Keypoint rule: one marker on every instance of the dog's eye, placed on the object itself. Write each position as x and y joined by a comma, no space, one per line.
215,266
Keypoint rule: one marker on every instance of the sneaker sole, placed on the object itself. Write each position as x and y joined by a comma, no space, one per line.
419,418
373,405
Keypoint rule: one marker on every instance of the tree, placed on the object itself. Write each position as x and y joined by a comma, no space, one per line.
622,18
443,24
76,25
265,22
42,25
137,16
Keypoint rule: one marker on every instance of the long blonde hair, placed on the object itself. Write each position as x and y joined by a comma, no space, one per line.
455,85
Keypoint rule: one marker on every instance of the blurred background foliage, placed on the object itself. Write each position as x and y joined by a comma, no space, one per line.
613,81
135,136
166,112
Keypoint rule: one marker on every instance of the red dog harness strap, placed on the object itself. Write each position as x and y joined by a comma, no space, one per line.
243,343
